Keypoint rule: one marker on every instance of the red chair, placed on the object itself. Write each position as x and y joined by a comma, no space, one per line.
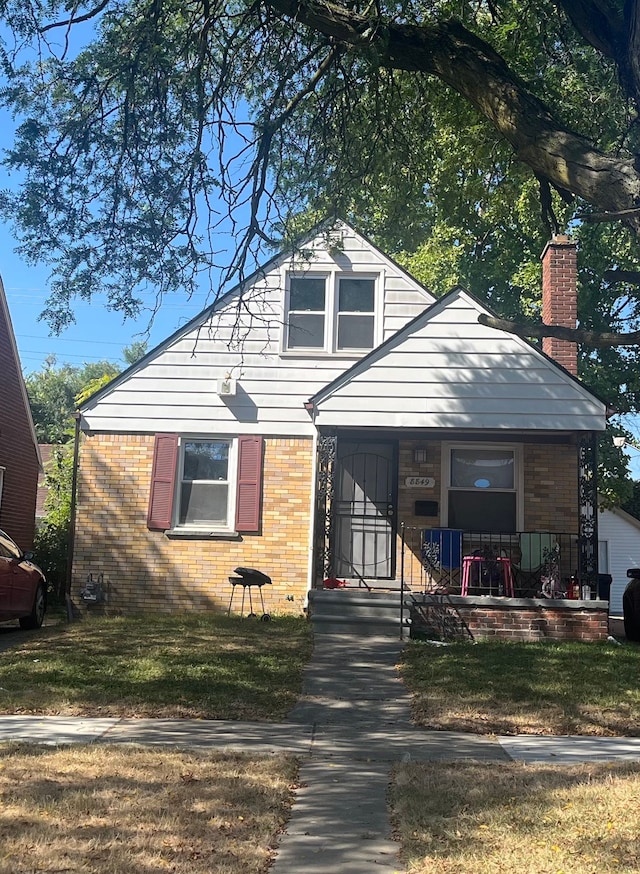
479,567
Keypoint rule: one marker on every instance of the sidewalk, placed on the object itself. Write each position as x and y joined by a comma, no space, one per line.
351,723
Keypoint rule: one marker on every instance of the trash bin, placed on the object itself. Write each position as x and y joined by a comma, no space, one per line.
604,586
631,606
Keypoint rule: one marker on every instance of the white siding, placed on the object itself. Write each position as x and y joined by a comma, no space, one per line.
622,534
175,388
452,372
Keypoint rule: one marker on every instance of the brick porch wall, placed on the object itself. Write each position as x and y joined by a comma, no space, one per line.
528,619
148,570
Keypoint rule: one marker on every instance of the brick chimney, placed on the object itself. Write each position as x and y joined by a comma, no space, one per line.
560,298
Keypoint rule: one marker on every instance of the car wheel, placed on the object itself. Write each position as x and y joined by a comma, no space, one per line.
36,617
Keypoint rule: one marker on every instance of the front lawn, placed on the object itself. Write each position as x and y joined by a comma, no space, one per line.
111,809
197,666
510,817
525,688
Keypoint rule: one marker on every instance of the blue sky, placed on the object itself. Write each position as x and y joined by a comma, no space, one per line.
97,334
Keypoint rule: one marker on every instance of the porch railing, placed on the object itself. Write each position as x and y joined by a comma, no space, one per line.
539,564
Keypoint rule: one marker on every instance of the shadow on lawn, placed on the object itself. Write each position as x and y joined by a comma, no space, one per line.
530,816
518,688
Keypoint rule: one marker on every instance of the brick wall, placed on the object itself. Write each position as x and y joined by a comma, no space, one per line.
551,487
524,619
148,570
559,298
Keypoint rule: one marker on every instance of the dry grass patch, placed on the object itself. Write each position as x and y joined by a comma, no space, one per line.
501,687
108,810
196,666
494,818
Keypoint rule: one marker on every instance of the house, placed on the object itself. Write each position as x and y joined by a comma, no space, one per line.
618,550
19,458
318,419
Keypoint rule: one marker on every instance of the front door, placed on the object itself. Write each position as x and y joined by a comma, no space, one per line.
365,509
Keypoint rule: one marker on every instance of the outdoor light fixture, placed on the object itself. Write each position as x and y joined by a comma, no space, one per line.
227,387
619,442
419,455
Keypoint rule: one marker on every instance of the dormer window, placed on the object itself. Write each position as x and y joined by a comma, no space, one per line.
356,312
329,313
307,312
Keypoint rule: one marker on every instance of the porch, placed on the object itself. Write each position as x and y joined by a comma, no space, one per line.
464,585
524,564
382,508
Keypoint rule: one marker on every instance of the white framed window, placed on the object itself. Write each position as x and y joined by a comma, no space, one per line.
482,487
355,313
330,312
206,486
307,312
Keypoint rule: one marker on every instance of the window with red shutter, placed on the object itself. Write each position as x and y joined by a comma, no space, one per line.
249,489
207,476
165,455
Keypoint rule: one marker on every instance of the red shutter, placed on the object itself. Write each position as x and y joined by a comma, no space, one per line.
249,493
163,474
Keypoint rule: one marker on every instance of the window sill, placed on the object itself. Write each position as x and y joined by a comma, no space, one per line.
201,534
305,353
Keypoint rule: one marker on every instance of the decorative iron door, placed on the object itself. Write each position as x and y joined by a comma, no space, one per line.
365,510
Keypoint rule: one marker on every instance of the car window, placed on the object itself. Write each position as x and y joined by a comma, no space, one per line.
8,549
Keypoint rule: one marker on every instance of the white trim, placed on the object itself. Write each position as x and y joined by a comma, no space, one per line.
445,476
332,277
232,484
312,516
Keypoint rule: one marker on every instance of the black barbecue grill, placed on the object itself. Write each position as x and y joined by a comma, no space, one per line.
248,578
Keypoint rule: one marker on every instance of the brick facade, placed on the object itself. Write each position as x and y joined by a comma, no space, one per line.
149,570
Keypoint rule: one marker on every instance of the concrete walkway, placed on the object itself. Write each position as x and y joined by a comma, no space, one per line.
351,723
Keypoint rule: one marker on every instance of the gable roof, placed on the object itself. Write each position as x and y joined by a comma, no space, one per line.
452,372
315,236
21,389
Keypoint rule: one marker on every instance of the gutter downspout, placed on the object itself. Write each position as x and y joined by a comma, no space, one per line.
72,520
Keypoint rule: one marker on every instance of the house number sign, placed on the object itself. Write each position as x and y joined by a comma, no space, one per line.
420,482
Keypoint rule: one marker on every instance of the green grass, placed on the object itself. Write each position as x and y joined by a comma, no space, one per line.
212,667
525,688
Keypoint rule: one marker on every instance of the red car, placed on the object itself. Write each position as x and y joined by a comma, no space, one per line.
23,588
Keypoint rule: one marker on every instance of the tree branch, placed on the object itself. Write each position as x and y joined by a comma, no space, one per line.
597,339
598,217
615,34
475,70
598,22
72,20
615,275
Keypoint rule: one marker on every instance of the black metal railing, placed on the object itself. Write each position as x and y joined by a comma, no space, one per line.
526,564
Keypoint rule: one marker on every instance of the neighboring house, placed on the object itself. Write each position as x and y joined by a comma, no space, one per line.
618,550
303,427
19,458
